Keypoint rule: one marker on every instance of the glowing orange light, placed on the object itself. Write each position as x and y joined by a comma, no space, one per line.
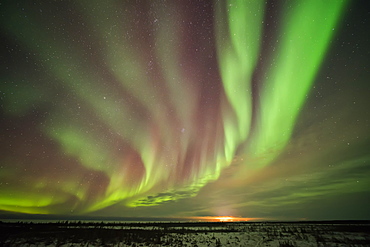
225,218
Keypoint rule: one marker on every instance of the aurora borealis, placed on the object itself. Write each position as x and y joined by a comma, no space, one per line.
255,109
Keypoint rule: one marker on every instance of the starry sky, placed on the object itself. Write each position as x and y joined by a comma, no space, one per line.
155,108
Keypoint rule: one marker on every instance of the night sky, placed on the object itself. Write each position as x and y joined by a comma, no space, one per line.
155,108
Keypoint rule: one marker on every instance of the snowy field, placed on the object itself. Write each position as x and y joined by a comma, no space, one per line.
186,234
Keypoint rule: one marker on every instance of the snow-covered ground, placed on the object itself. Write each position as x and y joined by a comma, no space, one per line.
185,234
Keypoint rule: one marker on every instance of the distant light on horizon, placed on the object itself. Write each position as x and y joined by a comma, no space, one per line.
224,218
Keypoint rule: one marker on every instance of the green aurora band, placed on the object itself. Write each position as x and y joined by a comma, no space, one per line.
307,28
159,152
238,55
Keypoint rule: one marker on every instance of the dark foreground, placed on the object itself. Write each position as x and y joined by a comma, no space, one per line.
186,234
